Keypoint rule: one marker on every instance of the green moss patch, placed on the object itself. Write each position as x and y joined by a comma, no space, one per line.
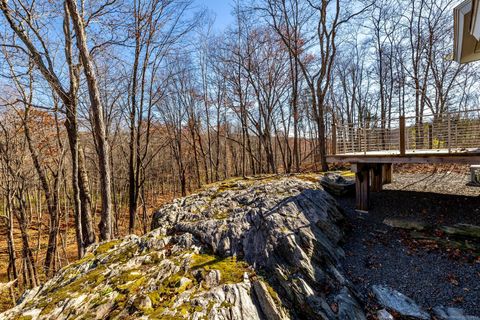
309,177
231,269
221,214
107,246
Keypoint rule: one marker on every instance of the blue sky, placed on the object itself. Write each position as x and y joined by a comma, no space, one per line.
222,9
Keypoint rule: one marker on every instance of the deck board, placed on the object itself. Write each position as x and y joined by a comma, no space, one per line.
461,156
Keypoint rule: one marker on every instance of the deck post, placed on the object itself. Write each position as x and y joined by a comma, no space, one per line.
377,180
387,173
430,136
362,186
334,138
365,141
449,123
402,135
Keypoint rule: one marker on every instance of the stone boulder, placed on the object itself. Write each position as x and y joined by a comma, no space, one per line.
463,230
443,313
337,185
394,300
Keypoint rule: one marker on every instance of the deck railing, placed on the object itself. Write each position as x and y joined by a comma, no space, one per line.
446,133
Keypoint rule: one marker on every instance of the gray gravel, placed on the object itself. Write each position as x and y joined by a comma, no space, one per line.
446,182
431,276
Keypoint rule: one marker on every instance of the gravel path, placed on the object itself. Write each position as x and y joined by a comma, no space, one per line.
430,275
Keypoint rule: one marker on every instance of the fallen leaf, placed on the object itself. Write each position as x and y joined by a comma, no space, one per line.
452,279
458,299
334,307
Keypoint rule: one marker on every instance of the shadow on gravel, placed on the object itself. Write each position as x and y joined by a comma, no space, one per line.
432,208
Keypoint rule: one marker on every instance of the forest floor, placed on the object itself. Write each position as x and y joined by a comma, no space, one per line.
429,272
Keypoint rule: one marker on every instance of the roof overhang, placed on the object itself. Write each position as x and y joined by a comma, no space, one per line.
467,31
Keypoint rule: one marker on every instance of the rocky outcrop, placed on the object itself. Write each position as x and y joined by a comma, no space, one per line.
244,249
288,229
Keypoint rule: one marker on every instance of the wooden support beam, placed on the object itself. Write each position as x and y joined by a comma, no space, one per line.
402,136
430,136
387,173
334,138
376,176
449,141
362,186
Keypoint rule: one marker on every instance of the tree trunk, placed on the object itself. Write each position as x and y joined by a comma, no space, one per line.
72,131
12,256
30,278
99,127
86,201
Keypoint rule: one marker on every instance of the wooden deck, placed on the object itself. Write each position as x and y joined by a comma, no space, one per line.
451,138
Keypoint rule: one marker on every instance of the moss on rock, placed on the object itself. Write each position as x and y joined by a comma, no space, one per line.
232,270
107,246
